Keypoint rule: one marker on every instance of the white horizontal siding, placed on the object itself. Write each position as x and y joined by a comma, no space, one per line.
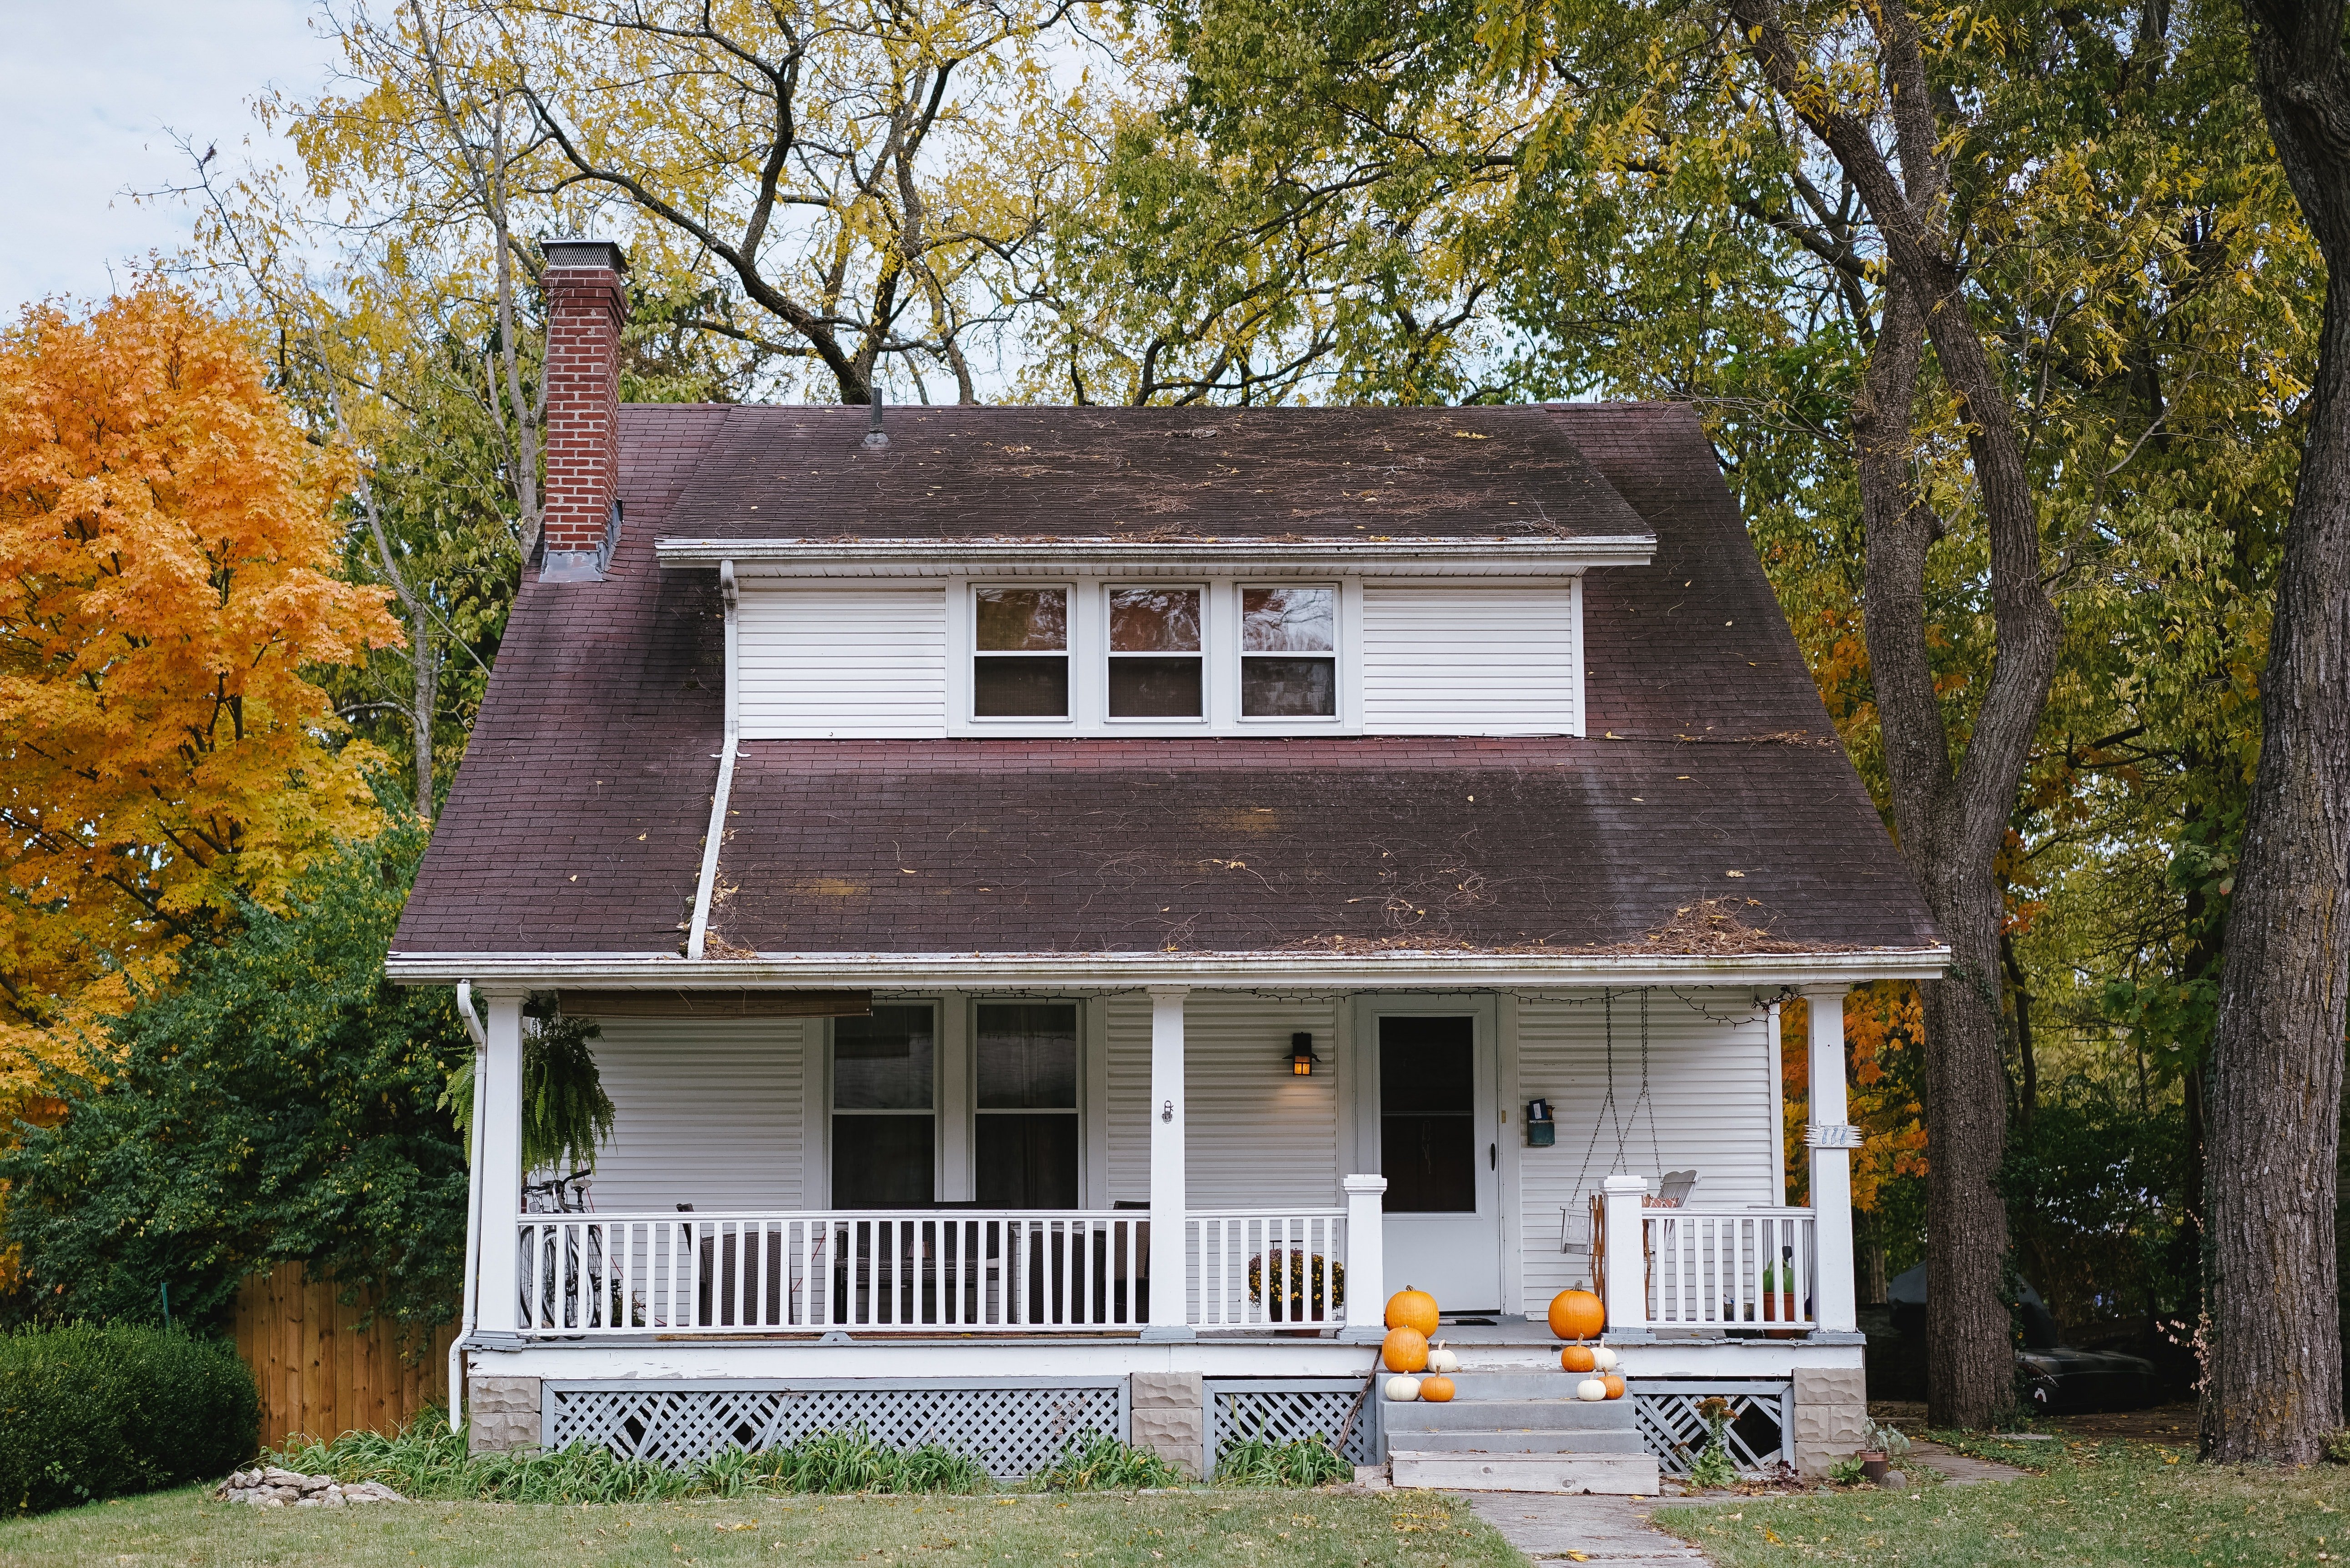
1259,1135
855,660
1469,661
705,1112
1710,1084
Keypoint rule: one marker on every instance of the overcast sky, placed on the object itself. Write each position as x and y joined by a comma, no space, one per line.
87,89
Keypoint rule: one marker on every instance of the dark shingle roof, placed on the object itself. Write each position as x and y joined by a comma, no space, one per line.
575,824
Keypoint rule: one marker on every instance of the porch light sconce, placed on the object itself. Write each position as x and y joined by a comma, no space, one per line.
1541,1127
1301,1053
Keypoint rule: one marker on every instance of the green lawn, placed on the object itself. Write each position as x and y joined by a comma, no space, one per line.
2125,1505
1242,1530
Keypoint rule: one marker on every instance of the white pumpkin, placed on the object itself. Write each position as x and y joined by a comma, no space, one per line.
1591,1388
1603,1358
1405,1388
1443,1360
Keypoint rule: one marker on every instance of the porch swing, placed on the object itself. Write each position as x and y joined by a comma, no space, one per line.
1579,1223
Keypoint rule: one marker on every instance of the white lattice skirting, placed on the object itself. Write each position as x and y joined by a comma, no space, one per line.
1762,1411
1011,1427
1282,1410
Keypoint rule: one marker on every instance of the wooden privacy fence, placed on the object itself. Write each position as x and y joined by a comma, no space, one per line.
321,1375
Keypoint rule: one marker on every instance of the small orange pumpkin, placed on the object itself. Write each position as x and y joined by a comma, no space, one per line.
1576,1315
1615,1387
1404,1350
1436,1390
1577,1358
1408,1308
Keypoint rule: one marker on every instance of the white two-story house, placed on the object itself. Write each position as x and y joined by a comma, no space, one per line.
1080,904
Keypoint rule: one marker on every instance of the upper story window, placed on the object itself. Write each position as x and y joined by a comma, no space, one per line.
1289,645
1020,668
1155,654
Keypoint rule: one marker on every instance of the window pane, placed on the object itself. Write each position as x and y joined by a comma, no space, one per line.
1288,620
1020,688
1154,620
1154,687
1428,1135
1028,621
882,1063
1027,1162
1289,688
882,1162
1027,1056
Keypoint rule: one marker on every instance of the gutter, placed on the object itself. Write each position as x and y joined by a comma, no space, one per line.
471,1315
707,884
1305,968
1503,555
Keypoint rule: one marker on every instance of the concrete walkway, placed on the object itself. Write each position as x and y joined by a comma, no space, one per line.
1550,1528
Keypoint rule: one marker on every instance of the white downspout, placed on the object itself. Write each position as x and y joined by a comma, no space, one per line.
473,1207
709,880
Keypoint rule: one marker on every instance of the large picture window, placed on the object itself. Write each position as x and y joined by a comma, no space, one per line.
1020,666
1026,1116
883,1118
1154,653
1289,643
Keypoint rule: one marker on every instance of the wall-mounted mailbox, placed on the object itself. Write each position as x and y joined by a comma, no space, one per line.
1542,1131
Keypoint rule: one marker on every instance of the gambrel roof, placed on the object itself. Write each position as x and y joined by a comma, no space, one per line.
1709,770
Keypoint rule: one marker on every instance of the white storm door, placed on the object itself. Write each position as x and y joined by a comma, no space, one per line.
1440,1149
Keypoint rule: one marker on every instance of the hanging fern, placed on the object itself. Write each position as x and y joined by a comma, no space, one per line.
566,1114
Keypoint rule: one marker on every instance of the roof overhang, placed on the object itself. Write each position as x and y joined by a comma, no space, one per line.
1501,556
1381,971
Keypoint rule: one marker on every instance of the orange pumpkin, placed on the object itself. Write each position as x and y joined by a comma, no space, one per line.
1576,1315
1437,1390
1408,1308
1615,1387
1577,1358
1404,1350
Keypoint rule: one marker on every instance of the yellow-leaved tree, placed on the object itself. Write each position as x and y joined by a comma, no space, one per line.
168,541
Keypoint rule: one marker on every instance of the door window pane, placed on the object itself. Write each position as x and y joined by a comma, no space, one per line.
1154,620
1288,620
1023,620
1289,688
1428,1132
1020,688
882,1063
1027,1161
1029,1056
882,1162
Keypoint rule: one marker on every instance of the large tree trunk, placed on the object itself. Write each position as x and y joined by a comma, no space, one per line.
2273,1385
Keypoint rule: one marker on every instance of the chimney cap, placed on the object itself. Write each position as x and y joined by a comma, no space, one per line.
584,252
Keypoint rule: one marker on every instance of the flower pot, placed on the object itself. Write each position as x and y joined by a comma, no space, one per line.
1779,1306
1874,1465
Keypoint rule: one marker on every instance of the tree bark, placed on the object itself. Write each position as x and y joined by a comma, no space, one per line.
2273,1387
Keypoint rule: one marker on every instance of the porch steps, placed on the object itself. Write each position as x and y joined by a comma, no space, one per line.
1519,1431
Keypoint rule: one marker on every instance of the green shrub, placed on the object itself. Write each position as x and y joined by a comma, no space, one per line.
89,1411
1302,1461
428,1461
1093,1462
1845,1471
2337,1448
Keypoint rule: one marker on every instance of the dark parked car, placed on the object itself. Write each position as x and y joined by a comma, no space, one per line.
2059,1377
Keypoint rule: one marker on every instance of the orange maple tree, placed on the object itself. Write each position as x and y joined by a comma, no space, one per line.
168,541
1881,1021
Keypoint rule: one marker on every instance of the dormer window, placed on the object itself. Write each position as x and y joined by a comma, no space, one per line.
1289,642
1155,653
1020,666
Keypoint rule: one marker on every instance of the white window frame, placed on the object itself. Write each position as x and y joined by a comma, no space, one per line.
965,597
1205,656
820,1178
1339,643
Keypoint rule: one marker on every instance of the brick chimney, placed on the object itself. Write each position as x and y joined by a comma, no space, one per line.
587,303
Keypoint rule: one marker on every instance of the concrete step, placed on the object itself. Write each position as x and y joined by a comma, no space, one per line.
1522,1440
1491,1415
1516,1385
1618,1475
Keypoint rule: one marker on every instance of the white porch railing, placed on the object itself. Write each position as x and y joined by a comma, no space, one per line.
868,1271
1281,1269
1731,1268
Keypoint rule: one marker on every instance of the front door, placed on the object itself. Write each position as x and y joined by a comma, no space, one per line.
1440,1150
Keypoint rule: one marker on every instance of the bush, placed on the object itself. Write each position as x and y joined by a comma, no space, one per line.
2337,1448
1093,1462
1302,1461
89,1411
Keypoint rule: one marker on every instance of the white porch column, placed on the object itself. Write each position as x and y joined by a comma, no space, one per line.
1170,1284
497,1108
1628,1259
1367,1259
1833,1308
